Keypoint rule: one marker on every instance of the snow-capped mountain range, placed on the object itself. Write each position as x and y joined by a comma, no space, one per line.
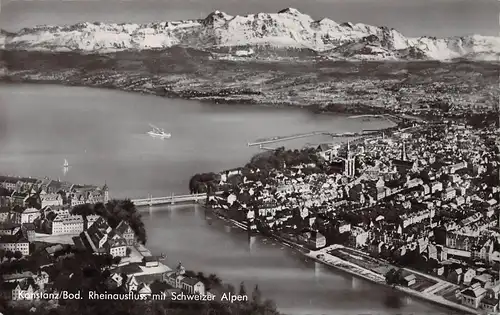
287,29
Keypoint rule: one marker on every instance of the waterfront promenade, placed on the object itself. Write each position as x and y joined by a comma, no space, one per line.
432,293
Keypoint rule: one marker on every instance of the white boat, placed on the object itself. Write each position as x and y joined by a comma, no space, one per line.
158,133
66,164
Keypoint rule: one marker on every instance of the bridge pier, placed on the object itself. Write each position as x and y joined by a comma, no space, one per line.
172,201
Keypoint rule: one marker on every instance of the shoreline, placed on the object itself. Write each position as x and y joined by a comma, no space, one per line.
361,272
356,270
356,110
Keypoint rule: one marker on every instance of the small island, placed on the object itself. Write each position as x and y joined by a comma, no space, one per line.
69,249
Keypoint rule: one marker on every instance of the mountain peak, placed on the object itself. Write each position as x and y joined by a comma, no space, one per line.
219,14
289,29
216,17
292,11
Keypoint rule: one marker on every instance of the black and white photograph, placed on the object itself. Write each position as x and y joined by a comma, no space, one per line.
249,157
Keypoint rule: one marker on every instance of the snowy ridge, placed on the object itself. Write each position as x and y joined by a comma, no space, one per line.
287,29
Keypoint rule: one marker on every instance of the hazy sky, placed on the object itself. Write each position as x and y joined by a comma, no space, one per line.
411,17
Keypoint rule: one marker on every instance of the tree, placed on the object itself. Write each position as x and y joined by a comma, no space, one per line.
2,254
9,255
394,277
390,276
200,275
256,295
84,210
18,254
193,183
269,306
230,288
5,192
242,290
213,278
117,260
117,210
34,202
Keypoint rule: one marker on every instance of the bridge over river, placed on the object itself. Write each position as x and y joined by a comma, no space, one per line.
170,200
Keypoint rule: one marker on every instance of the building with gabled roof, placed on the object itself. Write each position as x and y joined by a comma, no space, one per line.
115,245
9,228
126,232
100,238
15,243
51,199
192,285
67,224
29,215
472,295
132,284
24,290
144,290
28,231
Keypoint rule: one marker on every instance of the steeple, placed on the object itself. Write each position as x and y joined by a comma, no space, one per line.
403,152
349,168
180,270
105,189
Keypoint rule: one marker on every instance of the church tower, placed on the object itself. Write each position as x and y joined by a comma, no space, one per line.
105,191
403,152
350,162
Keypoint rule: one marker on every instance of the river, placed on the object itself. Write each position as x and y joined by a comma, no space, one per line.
102,135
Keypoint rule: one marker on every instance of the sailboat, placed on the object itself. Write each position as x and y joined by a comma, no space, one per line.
66,164
157,132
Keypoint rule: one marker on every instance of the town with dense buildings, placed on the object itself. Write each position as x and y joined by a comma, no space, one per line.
41,236
417,208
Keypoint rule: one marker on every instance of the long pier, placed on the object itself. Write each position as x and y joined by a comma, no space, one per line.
285,138
262,142
169,200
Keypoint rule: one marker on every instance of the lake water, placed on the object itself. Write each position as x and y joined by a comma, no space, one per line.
102,133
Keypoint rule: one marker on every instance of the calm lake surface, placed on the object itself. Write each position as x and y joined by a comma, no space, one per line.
102,133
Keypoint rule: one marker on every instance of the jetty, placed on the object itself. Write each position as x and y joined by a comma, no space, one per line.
285,138
262,142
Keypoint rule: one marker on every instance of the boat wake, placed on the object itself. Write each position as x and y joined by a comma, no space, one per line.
157,132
